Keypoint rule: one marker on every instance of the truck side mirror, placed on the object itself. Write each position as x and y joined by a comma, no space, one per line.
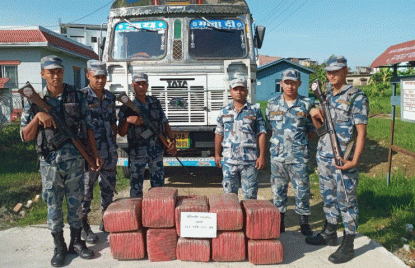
259,36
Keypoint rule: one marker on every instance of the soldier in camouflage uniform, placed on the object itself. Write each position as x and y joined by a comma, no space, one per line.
61,164
241,132
349,108
288,116
144,147
101,109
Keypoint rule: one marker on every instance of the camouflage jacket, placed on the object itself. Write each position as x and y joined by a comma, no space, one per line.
290,127
345,117
240,132
67,150
153,111
103,117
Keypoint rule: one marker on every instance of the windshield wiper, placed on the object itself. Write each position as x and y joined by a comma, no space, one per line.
212,26
140,29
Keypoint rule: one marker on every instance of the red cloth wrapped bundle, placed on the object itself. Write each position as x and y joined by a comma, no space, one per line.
229,211
127,245
262,219
123,215
229,246
190,204
265,251
161,244
193,249
158,207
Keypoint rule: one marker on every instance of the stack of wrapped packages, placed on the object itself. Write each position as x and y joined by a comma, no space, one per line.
152,224
262,228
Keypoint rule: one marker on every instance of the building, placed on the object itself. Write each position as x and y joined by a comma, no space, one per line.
87,34
21,50
361,77
269,77
265,59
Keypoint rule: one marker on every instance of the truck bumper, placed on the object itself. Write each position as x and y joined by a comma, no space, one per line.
172,161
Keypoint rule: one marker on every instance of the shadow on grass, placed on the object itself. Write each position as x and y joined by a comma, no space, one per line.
373,155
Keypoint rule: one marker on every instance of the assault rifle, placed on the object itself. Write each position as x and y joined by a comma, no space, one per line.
328,126
63,130
152,128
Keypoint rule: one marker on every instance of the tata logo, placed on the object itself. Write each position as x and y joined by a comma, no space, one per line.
178,102
177,82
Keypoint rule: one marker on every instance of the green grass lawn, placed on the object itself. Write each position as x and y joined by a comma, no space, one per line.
379,129
385,210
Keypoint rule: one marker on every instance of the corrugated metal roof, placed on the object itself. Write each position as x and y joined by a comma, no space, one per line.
3,81
10,62
41,35
265,59
261,68
395,54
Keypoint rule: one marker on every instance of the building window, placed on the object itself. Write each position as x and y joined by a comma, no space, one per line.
350,81
278,88
9,71
94,39
77,77
363,81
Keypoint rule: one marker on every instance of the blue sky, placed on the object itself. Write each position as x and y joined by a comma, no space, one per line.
360,30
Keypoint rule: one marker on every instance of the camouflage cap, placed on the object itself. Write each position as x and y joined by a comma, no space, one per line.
239,82
291,74
96,66
51,62
335,63
140,77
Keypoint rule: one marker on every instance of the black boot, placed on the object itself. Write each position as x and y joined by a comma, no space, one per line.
328,236
87,233
345,252
78,246
101,224
282,223
60,251
304,226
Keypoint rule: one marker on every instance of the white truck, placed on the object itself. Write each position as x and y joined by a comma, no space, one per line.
190,50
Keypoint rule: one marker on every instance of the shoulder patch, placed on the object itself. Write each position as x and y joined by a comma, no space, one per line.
250,117
277,113
344,102
300,113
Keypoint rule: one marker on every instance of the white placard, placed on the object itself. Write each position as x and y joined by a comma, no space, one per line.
198,224
408,99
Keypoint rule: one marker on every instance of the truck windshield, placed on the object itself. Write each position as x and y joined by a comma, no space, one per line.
211,38
140,40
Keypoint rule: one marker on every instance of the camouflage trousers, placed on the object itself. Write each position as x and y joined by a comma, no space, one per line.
106,179
151,155
244,175
338,190
60,180
281,175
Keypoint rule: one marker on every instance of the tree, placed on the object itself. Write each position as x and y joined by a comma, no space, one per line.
380,82
319,74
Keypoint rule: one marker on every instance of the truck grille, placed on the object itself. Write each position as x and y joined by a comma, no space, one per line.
193,112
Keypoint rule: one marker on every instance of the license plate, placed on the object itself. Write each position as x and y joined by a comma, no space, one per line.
182,140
